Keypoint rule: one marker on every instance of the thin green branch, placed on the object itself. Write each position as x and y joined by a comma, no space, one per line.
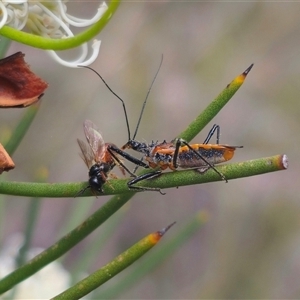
33,210
65,243
155,259
93,247
4,45
117,265
214,107
71,189
231,171
61,44
166,180
31,220
120,186
22,128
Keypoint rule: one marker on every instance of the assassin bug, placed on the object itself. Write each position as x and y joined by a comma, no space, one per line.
101,157
179,153
174,154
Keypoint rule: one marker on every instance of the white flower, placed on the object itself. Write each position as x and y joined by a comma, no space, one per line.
49,19
45,284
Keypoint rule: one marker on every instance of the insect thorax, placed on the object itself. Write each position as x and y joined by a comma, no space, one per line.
98,169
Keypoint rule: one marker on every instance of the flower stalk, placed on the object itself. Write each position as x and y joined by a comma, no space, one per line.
49,25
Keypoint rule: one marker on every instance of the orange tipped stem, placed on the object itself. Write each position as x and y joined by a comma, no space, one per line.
214,107
114,267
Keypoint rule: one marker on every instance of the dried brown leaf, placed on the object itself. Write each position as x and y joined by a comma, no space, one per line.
6,162
19,86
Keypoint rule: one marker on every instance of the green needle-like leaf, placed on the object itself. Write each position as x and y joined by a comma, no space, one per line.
154,259
118,186
22,128
166,180
121,262
214,107
171,179
64,244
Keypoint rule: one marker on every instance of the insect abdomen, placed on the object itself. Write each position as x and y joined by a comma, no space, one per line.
214,154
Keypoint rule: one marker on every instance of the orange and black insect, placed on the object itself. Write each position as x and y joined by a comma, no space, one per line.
100,157
174,154
180,154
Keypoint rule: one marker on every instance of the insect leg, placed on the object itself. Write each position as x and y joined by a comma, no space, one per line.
211,133
136,167
82,191
137,179
179,142
138,162
120,163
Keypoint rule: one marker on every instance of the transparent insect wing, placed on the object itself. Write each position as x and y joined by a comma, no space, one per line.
86,153
95,140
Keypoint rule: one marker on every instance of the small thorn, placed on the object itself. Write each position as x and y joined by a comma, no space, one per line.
248,70
164,230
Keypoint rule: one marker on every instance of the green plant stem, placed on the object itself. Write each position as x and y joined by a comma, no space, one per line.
32,215
117,265
214,107
61,44
118,186
71,189
95,246
4,45
166,180
64,244
31,219
22,128
154,259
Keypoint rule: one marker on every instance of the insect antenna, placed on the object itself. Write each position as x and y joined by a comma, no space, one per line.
124,108
144,104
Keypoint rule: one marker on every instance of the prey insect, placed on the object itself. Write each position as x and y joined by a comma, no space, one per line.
173,155
100,158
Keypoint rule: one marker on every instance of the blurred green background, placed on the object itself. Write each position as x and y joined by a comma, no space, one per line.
250,248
